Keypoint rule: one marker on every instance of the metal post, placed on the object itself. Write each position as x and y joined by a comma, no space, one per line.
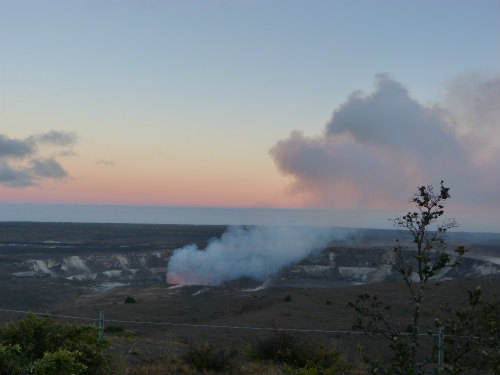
440,349
101,325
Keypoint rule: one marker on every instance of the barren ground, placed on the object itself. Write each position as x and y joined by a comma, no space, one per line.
236,304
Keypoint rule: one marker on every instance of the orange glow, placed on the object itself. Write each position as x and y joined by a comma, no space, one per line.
185,279
174,186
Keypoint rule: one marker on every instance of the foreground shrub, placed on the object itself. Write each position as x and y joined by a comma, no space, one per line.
130,299
472,341
40,346
297,355
9,359
62,362
208,357
113,329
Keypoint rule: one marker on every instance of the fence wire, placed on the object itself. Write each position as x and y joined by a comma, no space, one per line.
216,326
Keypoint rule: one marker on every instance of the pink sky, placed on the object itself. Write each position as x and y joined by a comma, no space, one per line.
250,104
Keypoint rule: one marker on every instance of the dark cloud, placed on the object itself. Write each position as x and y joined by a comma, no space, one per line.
15,148
48,168
15,177
22,163
378,147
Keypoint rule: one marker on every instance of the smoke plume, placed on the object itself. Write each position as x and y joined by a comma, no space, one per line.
255,252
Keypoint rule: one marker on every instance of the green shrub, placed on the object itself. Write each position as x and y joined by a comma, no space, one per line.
113,329
128,333
31,344
61,362
288,298
281,347
9,359
297,355
130,299
208,357
312,368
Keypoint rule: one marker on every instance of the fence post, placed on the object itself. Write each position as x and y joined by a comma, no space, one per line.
440,349
101,325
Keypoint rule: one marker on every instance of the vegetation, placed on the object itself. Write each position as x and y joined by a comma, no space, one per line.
416,266
37,345
472,340
298,356
208,357
113,329
130,299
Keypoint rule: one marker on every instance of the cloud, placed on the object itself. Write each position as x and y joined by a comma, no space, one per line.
47,168
15,148
378,147
472,102
107,163
22,162
56,138
15,177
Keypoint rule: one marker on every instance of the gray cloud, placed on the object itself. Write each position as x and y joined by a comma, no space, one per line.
378,147
15,148
47,168
22,163
66,153
15,177
56,138
107,163
390,119
472,102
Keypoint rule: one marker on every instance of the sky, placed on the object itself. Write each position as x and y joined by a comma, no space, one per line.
330,105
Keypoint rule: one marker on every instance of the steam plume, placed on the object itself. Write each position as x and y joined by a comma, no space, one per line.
378,146
255,252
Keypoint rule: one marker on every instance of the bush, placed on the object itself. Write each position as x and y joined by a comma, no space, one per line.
280,347
208,357
297,355
128,333
130,299
39,345
472,341
312,368
113,329
62,362
9,359
288,298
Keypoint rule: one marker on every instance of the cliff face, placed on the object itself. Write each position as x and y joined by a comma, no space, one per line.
332,266
357,265
143,267
107,255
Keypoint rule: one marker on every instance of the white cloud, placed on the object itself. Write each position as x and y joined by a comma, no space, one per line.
378,147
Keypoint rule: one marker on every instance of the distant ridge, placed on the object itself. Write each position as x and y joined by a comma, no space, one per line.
376,219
